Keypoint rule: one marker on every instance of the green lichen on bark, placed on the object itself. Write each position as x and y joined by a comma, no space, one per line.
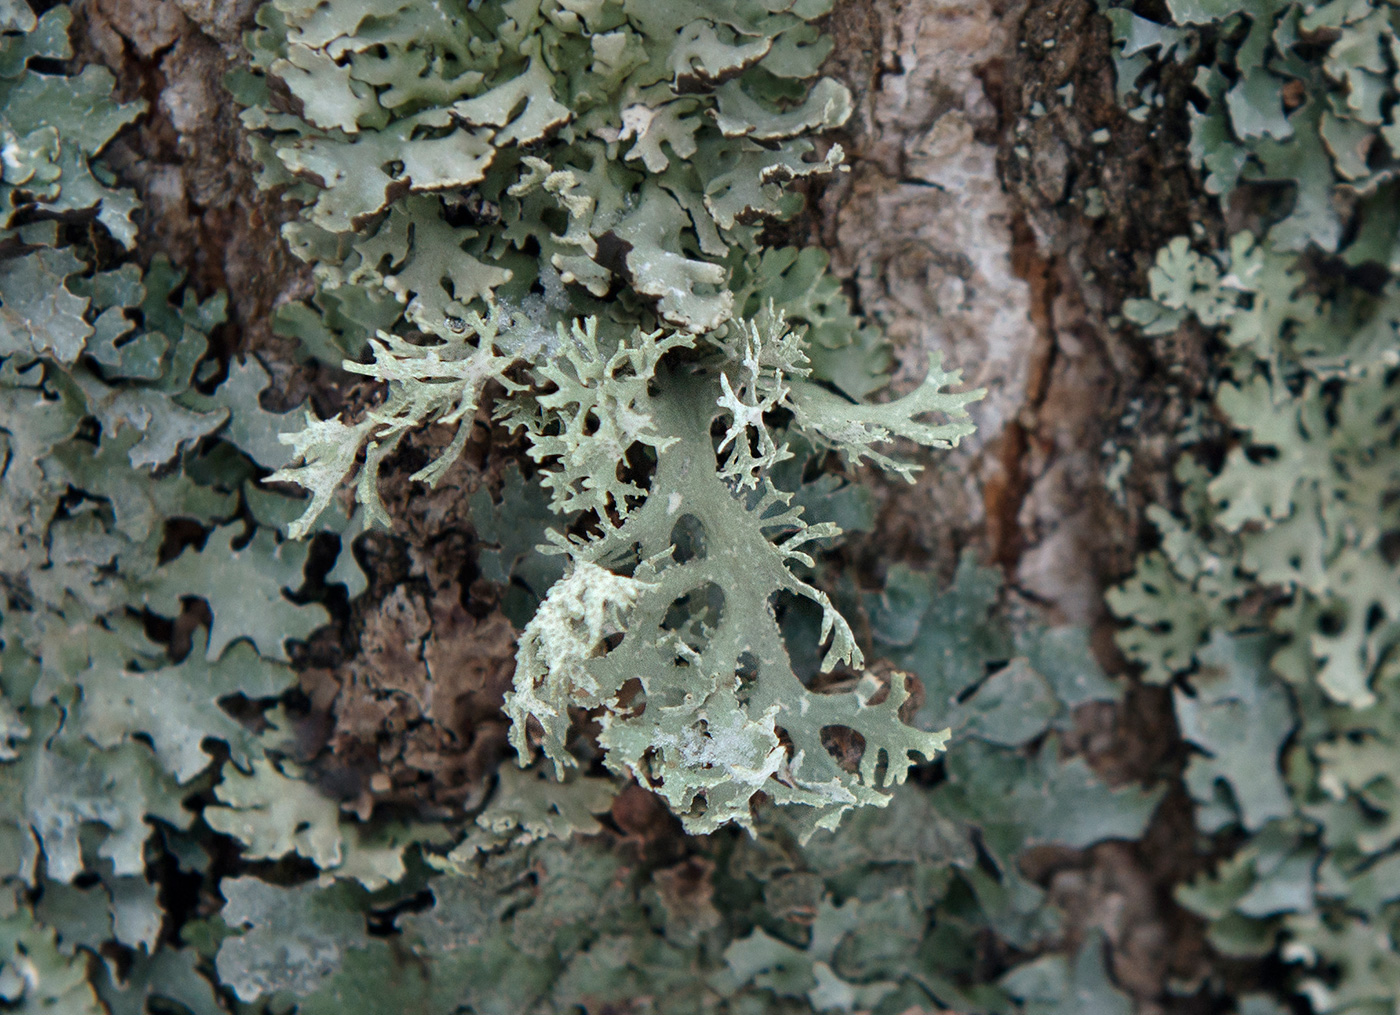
1271,604
569,201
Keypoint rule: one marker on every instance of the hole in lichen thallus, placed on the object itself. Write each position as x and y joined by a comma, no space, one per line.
694,617
746,670
631,699
844,744
1332,623
688,540
800,621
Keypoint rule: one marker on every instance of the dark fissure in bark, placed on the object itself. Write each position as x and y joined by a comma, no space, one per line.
1099,193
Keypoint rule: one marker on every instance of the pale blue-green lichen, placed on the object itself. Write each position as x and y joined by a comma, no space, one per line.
1272,603
606,270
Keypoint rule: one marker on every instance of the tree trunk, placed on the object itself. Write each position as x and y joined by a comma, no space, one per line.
999,207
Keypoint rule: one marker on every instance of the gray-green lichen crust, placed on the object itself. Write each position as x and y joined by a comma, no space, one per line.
112,424
562,160
1273,603
567,199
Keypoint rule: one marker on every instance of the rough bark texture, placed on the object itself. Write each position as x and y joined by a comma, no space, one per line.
986,215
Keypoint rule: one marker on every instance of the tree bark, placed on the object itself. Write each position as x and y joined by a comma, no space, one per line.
995,211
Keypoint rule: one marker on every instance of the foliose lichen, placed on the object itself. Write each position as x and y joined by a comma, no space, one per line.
568,201
1271,605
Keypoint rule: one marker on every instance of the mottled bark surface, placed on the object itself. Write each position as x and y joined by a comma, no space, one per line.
994,211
